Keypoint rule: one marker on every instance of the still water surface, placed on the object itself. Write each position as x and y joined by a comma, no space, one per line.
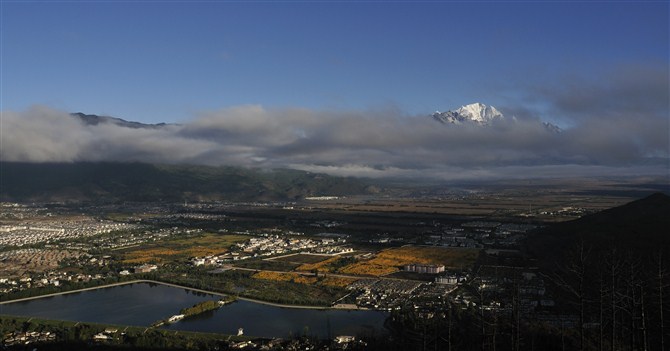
144,303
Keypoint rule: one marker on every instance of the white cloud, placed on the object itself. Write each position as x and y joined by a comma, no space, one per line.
375,143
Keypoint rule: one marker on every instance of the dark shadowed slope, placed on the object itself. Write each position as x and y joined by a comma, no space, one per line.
107,181
639,226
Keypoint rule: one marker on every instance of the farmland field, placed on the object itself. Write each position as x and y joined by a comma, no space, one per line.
391,260
339,282
302,258
292,277
321,266
207,244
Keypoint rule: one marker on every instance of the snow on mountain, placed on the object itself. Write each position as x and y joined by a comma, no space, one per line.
477,113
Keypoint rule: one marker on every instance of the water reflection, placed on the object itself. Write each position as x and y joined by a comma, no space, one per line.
271,321
141,304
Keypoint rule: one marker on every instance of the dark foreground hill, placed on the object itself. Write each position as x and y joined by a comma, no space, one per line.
639,226
609,272
111,182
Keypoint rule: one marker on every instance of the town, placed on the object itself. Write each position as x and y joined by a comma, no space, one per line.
69,247
291,254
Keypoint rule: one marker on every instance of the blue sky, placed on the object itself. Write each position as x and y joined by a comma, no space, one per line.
345,88
169,61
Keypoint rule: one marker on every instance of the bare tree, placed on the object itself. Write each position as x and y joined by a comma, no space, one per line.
516,314
614,265
572,278
643,322
660,277
602,294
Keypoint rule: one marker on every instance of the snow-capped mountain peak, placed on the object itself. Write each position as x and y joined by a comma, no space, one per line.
481,115
477,113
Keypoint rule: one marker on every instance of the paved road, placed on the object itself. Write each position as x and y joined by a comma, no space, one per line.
112,285
71,291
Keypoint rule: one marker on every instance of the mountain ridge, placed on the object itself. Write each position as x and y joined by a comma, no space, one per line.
480,115
476,113
94,120
144,182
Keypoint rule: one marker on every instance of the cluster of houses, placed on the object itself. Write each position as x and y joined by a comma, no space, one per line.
217,260
26,338
8,285
274,244
106,335
527,285
567,211
136,237
27,234
327,224
391,293
145,268
382,293
479,234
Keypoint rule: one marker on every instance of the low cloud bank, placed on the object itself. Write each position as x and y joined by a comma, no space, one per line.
618,127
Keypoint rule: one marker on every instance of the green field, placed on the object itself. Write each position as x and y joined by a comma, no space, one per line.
391,260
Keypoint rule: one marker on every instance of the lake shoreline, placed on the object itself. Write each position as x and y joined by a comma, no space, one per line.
142,302
139,281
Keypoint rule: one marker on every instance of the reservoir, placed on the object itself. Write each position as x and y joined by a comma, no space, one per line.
141,304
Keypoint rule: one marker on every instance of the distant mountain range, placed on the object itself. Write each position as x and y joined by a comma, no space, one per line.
476,113
112,182
480,115
94,120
